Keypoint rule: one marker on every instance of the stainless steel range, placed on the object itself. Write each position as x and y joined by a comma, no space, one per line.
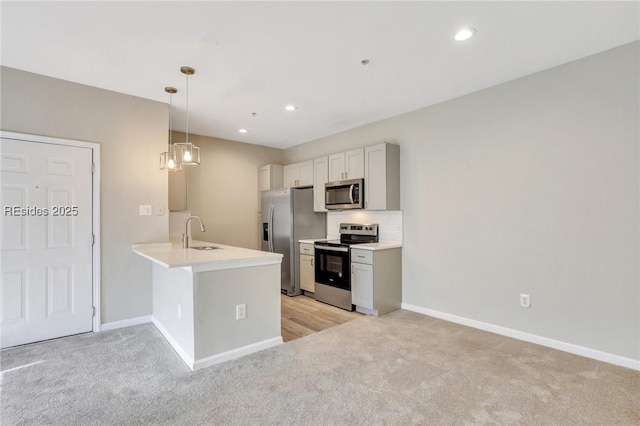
332,263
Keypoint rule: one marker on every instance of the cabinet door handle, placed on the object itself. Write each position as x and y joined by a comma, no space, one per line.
312,261
361,256
346,175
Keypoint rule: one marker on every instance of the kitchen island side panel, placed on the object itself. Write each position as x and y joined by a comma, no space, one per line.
173,311
217,293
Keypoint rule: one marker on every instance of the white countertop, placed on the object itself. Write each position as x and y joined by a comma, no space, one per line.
382,245
311,240
172,255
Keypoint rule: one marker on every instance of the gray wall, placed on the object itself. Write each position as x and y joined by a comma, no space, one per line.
223,189
132,132
528,187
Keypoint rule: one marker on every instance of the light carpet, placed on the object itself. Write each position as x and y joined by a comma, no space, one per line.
403,368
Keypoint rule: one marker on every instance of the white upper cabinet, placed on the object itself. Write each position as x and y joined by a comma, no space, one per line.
336,167
320,177
346,165
291,175
269,177
379,165
306,173
382,177
298,174
354,161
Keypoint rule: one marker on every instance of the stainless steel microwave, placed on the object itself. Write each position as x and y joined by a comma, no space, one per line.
344,194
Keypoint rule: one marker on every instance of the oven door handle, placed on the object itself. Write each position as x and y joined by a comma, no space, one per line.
329,248
353,186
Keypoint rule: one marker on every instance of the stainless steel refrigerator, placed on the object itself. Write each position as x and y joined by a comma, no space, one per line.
287,216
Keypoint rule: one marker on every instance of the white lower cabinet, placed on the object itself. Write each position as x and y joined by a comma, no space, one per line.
362,285
307,274
376,280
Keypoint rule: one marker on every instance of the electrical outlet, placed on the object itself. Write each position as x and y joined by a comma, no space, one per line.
241,311
145,210
179,311
525,301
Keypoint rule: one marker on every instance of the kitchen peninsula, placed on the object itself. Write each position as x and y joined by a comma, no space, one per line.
217,303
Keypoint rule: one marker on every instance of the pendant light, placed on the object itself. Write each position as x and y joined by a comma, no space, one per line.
189,153
170,160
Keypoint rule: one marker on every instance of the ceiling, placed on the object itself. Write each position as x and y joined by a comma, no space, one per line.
257,57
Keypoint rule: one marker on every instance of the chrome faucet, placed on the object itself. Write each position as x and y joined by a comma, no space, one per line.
185,236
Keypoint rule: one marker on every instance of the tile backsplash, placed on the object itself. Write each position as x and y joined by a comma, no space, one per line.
390,222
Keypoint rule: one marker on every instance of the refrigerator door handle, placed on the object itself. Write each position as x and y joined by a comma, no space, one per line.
351,193
271,228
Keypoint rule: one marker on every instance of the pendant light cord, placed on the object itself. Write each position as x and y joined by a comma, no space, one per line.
170,136
187,108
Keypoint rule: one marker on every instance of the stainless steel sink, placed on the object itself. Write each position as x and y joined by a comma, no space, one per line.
205,248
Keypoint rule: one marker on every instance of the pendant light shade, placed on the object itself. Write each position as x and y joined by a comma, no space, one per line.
169,160
188,153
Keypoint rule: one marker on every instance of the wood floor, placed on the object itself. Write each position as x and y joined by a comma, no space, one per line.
302,315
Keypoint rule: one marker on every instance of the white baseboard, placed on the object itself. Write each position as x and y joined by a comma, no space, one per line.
217,358
125,323
237,353
531,338
174,344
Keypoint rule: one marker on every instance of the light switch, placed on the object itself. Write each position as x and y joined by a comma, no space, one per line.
145,210
160,211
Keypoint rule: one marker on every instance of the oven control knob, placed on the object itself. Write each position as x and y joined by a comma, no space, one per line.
340,274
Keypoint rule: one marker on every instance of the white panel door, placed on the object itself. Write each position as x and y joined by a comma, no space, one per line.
46,278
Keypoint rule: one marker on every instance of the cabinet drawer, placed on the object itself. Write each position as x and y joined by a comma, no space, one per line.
362,256
306,248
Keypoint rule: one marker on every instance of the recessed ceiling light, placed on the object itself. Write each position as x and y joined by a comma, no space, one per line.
465,34
243,130
291,107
